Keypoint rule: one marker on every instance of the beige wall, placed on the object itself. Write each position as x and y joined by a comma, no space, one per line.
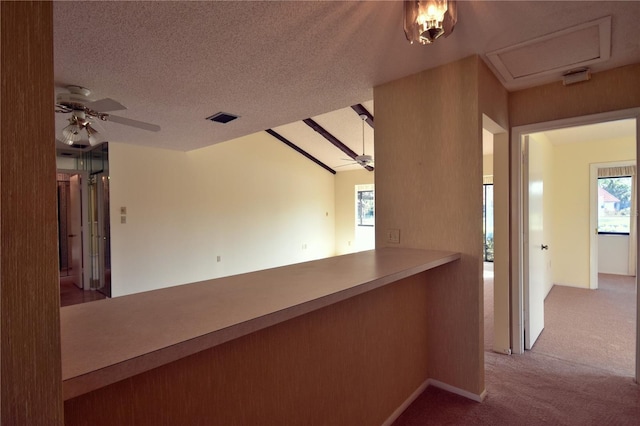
345,207
428,174
570,214
612,90
252,201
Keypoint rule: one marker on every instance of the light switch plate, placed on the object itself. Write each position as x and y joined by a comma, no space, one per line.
393,236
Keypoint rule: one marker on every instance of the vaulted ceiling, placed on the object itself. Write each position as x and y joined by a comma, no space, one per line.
275,64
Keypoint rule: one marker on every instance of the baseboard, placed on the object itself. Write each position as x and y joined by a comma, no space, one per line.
457,391
435,383
394,416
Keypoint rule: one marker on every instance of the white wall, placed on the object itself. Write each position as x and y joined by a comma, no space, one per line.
571,204
346,208
252,201
613,254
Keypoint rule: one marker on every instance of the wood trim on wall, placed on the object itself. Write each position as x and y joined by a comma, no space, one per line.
31,383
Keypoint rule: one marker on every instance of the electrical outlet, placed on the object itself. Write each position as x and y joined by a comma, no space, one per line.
393,236
123,219
218,258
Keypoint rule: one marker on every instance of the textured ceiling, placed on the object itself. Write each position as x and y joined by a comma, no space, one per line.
606,131
275,63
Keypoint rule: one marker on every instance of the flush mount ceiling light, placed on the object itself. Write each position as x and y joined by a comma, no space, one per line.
427,20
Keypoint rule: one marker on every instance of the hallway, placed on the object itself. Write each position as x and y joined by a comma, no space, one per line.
561,381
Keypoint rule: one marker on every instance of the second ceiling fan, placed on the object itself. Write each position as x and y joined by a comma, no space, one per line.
86,114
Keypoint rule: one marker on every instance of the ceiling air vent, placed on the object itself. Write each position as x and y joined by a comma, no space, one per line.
222,117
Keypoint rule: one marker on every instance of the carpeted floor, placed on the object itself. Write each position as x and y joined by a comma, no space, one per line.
578,373
592,327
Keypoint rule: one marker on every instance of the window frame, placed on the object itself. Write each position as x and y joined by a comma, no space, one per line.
360,210
598,213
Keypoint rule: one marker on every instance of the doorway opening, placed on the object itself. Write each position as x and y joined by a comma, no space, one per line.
83,224
487,219
487,237
565,250
495,144
100,223
71,242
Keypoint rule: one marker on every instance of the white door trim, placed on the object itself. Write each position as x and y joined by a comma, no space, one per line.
517,211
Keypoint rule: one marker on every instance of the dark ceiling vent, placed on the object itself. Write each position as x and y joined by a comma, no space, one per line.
222,117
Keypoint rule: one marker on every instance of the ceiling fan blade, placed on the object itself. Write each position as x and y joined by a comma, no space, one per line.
106,105
133,123
343,165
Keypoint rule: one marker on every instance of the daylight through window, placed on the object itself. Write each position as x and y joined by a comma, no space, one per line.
365,208
487,222
614,204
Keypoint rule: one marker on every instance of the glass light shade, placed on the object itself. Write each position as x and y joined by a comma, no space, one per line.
95,137
71,133
426,20
431,11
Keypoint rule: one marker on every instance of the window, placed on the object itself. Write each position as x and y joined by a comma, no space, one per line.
487,222
365,213
614,204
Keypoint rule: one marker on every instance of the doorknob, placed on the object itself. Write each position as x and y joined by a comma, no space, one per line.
544,247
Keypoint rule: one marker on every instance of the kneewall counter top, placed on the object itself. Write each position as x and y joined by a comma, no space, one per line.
109,340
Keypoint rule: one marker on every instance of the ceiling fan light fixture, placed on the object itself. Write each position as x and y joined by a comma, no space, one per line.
427,20
71,133
95,137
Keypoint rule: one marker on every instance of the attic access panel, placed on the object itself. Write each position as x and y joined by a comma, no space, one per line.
558,52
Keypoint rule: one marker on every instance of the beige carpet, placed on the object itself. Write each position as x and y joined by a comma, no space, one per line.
578,373
592,327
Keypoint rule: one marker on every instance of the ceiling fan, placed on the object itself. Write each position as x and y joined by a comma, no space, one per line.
364,160
85,115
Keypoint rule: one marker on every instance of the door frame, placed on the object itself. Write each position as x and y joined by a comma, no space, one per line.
84,191
518,182
501,239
